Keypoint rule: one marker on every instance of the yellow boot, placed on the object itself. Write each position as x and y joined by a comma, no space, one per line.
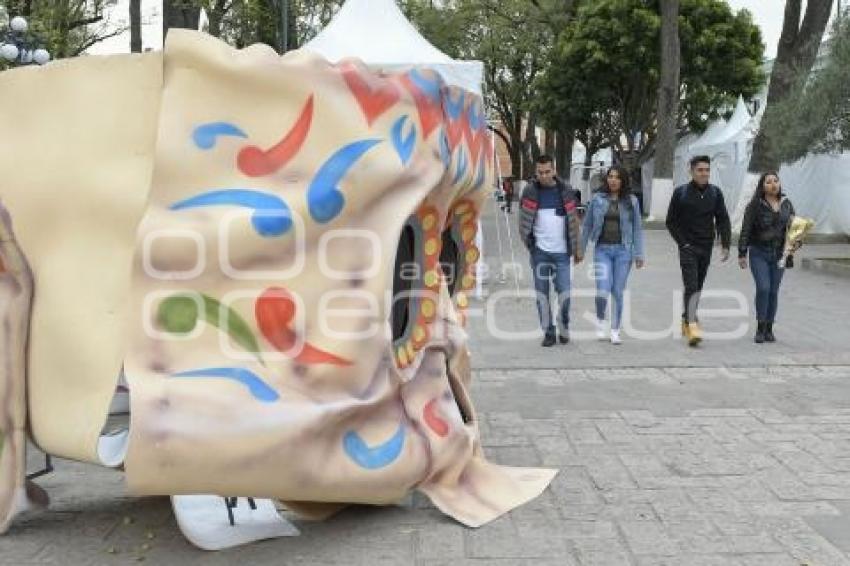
694,334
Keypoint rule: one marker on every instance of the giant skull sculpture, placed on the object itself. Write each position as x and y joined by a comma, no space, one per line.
277,252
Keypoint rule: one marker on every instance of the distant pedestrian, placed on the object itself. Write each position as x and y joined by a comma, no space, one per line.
550,229
508,193
696,213
766,221
613,223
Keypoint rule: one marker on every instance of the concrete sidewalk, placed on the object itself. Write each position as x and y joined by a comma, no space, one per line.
732,455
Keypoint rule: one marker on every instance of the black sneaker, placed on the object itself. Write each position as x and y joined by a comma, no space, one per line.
548,341
564,338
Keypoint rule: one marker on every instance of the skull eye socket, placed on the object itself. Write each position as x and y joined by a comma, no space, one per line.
405,258
450,261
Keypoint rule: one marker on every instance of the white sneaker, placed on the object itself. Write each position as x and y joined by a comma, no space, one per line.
615,337
601,331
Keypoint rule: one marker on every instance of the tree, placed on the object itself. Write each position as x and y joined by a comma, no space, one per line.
513,37
179,14
815,118
66,27
668,111
668,90
795,56
243,22
135,26
608,64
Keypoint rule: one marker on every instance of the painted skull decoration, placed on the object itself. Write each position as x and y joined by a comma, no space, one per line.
277,251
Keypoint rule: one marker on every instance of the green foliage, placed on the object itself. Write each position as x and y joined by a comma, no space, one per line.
513,39
604,74
816,116
65,28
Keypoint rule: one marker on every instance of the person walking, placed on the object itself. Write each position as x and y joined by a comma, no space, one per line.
696,213
766,220
613,223
550,229
508,194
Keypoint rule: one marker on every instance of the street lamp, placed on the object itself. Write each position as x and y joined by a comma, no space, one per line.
18,45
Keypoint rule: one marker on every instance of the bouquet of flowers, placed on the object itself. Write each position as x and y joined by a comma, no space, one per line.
798,229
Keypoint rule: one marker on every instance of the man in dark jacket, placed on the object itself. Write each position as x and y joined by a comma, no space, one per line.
550,229
697,212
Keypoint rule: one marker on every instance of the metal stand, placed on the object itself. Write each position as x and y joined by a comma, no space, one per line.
48,467
231,503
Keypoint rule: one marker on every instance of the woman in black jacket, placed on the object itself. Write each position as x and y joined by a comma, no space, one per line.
763,233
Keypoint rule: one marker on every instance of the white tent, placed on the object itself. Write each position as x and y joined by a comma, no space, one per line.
707,138
737,123
377,32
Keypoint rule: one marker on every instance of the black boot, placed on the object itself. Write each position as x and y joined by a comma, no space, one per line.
548,340
760,333
768,332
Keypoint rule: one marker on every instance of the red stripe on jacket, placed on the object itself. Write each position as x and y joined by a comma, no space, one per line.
529,203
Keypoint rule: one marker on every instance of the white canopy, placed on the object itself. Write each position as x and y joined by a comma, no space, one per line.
737,124
377,32
710,134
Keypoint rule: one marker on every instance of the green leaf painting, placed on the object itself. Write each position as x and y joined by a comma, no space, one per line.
179,314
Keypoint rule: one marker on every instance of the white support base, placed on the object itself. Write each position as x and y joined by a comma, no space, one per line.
204,522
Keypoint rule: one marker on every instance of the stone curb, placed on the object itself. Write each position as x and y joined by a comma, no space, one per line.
825,265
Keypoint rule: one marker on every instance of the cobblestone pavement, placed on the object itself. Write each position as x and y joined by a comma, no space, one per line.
733,455
661,471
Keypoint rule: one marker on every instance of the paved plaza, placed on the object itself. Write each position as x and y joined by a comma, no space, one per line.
729,455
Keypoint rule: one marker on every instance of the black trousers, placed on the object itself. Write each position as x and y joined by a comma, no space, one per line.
694,261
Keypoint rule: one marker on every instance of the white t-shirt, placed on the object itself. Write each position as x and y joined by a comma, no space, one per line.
549,230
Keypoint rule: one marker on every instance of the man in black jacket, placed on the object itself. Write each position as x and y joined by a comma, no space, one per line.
697,212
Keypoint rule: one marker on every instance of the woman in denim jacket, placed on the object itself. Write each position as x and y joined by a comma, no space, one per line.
613,223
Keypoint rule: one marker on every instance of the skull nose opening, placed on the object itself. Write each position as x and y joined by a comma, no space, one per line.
402,283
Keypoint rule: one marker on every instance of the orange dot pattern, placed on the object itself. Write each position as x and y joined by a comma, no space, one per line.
463,217
428,218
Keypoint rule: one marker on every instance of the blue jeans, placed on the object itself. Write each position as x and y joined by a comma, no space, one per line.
612,265
545,267
768,277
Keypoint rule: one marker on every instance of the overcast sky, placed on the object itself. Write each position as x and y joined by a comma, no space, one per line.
768,15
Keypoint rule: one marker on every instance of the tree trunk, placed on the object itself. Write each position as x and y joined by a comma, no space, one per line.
531,147
668,112
588,161
516,153
179,14
795,57
564,152
292,22
135,26
549,143
668,90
